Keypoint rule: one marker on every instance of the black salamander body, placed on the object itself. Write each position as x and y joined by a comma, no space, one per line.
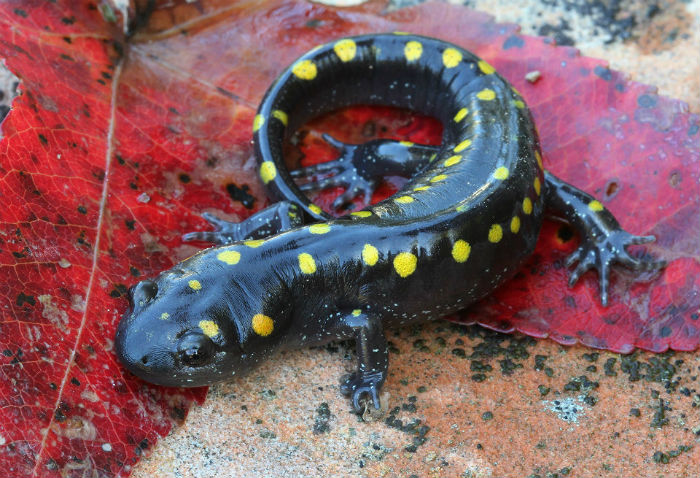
464,223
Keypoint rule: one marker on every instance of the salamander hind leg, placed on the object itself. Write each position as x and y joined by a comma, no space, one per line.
363,385
361,167
277,218
603,241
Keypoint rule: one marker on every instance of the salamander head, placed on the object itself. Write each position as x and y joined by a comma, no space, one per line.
189,329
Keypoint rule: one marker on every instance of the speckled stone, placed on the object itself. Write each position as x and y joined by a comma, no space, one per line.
463,402
657,43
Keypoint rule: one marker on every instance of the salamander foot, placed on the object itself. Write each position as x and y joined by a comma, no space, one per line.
603,241
364,392
364,384
343,171
602,251
361,167
272,220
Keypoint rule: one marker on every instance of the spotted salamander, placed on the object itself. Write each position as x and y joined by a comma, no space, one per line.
292,275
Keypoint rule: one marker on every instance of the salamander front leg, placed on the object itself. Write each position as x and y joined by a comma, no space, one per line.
361,167
363,386
603,241
279,217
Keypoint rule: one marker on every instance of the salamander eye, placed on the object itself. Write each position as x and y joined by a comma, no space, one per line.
195,349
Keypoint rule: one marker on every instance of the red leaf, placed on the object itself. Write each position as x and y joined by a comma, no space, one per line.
118,144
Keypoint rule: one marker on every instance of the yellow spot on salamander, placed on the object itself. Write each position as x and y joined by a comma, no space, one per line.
370,254
405,263
595,206
400,33
164,316
361,213
495,233
356,312
461,250
413,50
537,185
451,57
538,157
486,94
452,160
438,178
461,114
408,144
432,157
315,209
345,49
268,171
485,68
527,206
280,115
258,121
254,243
195,284
262,325
404,200
229,257
307,263
305,70
463,145
320,228
501,173
515,224
519,104
209,327
421,188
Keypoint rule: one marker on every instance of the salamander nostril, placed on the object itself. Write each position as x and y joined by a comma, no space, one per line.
143,292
